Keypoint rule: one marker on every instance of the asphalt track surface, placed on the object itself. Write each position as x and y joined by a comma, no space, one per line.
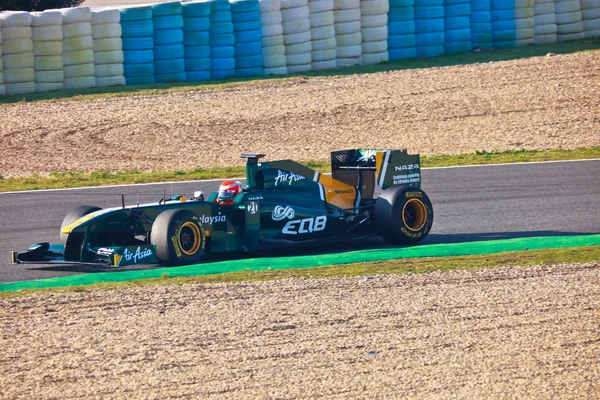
470,204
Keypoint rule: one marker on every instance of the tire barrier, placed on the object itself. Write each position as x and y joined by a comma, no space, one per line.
221,40
348,35
274,60
138,45
481,24
322,34
169,63
457,26
374,31
17,52
196,48
108,47
245,15
429,27
217,39
401,30
544,22
590,14
295,23
569,21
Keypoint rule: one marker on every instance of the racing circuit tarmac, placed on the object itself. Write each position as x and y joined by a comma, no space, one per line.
470,204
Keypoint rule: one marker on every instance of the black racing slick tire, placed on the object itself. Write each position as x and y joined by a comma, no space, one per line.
179,238
403,215
73,216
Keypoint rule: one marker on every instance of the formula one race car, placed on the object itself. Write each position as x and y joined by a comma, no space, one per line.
284,204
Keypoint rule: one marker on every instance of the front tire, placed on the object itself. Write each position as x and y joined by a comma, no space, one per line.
179,238
403,215
73,216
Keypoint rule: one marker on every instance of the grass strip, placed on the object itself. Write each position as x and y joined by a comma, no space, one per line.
267,265
486,56
60,180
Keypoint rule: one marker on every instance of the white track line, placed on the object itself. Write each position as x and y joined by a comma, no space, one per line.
220,180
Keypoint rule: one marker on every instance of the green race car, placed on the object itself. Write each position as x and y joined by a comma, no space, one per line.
283,204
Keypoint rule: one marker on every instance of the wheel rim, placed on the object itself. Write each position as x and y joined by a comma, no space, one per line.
189,238
414,215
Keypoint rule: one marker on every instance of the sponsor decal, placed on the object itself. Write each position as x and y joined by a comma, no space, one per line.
255,198
280,213
406,167
215,218
253,207
408,178
137,256
103,251
176,246
411,234
287,177
414,194
306,225
343,191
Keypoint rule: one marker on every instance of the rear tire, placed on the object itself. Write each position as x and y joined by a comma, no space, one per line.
73,216
179,238
403,215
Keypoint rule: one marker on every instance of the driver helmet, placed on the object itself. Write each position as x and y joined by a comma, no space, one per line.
228,191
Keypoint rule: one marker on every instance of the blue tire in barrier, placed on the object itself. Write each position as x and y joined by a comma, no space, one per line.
401,41
430,51
195,76
249,61
168,36
195,9
430,39
248,36
138,43
431,12
139,80
196,24
137,28
222,39
172,77
220,16
457,23
402,54
138,70
247,25
196,38
402,28
245,6
138,56
197,64
248,49
429,25
163,9
401,14
401,3
135,13
258,71
168,22
222,64
197,51
222,52
169,51
169,66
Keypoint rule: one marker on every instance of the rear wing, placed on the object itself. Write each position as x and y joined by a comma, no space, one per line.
365,168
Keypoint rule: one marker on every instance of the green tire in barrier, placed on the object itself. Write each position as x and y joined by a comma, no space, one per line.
164,9
77,29
16,32
169,51
196,24
20,46
19,75
81,82
110,81
197,51
168,36
13,61
46,33
139,13
19,88
195,9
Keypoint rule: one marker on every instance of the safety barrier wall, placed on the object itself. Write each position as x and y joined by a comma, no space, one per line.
201,40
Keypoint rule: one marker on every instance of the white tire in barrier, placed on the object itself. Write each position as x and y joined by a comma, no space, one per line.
275,71
19,75
322,32
272,30
298,59
15,18
545,19
269,5
352,39
108,44
321,19
322,65
576,27
373,21
272,41
545,39
295,69
78,43
50,76
290,14
374,7
20,88
272,51
593,13
545,29
324,44
78,57
345,4
105,70
275,61
348,51
2,88
590,25
375,34
48,33
346,15
344,28
296,26
323,55
78,29
374,58
524,23
567,6
293,3
543,8
108,57
523,12
46,18
80,83
106,16
16,33
570,36
348,62
270,18
110,81
317,6
17,46
75,15
568,18
296,38
374,47
47,49
13,61
48,63
80,70
104,31
48,86
524,34
299,48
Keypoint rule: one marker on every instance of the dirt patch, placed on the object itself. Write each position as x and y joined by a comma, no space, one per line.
507,332
538,103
